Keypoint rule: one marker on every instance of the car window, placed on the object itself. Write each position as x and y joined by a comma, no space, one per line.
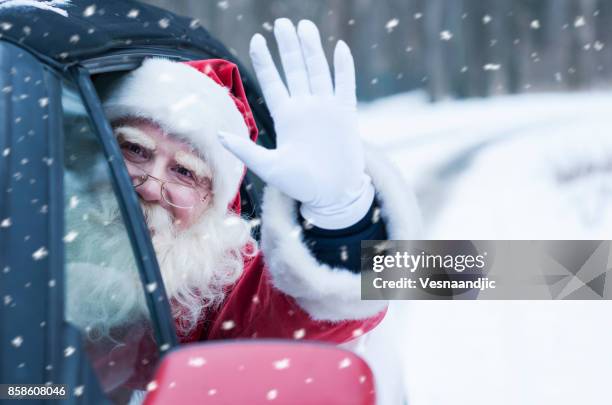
104,295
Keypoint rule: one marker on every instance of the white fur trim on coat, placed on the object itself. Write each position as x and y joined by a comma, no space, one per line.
189,105
327,293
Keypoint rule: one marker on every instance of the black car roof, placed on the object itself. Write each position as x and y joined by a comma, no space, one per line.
75,29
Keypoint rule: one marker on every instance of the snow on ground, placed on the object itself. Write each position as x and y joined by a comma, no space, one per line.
516,167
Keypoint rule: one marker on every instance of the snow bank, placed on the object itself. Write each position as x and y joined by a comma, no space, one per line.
516,167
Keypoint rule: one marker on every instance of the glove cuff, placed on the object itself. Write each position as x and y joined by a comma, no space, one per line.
344,215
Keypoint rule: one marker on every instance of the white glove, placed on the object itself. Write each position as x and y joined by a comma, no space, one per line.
319,158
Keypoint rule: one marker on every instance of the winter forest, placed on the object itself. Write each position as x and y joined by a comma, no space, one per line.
451,48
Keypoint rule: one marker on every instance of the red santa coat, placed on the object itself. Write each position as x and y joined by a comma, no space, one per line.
254,308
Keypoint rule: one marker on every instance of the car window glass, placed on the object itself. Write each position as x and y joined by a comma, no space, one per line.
105,297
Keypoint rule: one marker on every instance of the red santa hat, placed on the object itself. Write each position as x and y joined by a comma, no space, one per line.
192,101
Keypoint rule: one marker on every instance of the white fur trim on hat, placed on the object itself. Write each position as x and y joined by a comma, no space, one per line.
326,293
189,105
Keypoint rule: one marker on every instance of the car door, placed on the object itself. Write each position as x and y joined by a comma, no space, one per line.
36,345
55,171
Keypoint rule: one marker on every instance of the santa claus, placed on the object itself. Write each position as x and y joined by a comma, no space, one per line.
187,133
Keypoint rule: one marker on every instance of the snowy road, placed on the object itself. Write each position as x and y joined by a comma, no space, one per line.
522,167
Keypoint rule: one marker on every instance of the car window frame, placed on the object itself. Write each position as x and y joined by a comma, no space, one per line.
162,321
48,336
44,290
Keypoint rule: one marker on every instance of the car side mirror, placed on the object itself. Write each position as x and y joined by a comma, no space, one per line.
261,372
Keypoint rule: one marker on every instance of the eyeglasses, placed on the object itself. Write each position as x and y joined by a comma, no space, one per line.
168,189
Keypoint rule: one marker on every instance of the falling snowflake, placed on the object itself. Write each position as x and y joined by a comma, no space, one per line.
212,392
598,46
299,334
74,39
357,332
227,325
49,5
133,13
271,395
43,102
89,11
6,222
309,380
78,390
17,341
281,364
152,386
362,379
267,26
344,253
195,23
6,152
164,23
486,19
70,236
579,22
196,361
418,16
7,299
446,35
223,5
344,363
164,347
51,283
151,287
535,25
492,66
69,351
391,24
74,201
41,253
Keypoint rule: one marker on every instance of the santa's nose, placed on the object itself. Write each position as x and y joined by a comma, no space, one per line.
150,191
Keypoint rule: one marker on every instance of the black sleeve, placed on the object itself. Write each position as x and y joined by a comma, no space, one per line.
342,247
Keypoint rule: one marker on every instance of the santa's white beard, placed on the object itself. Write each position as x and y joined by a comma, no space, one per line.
198,263
104,288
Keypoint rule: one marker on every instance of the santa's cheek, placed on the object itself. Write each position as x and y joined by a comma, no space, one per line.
182,217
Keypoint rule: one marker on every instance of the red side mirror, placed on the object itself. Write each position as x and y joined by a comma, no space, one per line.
262,372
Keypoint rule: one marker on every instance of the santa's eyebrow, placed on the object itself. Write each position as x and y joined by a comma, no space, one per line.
193,163
135,135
